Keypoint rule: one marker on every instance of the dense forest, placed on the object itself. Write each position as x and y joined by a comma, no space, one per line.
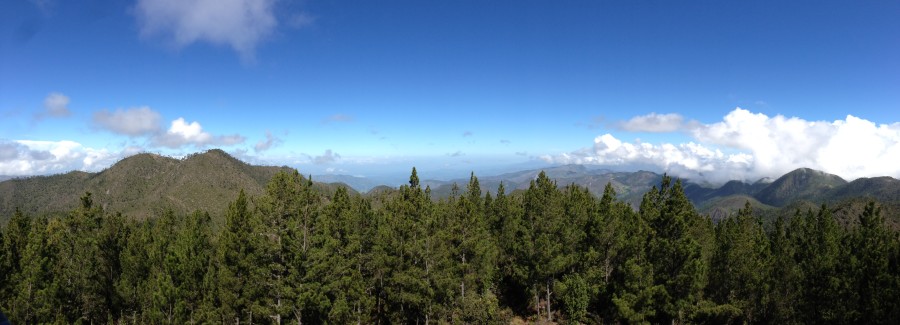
546,254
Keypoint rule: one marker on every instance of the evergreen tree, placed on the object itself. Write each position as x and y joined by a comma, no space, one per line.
132,286
871,283
677,260
403,261
514,244
818,254
279,212
550,254
336,259
80,265
740,266
190,255
784,276
34,300
238,285
13,240
470,256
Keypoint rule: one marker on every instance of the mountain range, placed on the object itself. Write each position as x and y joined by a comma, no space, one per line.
139,184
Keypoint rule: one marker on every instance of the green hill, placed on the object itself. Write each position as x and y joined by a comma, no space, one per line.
140,184
800,184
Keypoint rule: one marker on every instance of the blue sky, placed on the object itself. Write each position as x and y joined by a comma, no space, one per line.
375,87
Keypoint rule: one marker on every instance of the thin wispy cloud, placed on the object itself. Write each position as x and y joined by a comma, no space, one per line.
326,158
653,123
138,121
338,118
267,143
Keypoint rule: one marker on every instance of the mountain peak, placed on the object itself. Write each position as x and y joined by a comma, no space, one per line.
799,184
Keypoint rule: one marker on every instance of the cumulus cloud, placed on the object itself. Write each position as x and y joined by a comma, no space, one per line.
268,143
55,105
748,146
181,133
240,24
326,158
131,122
653,123
25,158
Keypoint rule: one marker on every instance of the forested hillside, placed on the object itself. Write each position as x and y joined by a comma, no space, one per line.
296,254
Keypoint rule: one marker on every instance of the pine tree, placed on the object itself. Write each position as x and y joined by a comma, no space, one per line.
13,240
784,275
279,211
190,255
818,253
238,286
132,286
869,275
336,260
471,255
740,265
80,265
34,301
548,258
678,264
409,288
514,245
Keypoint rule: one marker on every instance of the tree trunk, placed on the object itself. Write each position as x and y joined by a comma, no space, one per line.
549,315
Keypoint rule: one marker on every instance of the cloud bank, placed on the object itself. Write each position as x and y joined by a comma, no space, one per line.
240,24
26,158
748,146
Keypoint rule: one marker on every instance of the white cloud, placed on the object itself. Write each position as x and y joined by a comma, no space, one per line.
327,158
266,144
240,24
131,122
25,157
653,123
750,146
181,133
55,105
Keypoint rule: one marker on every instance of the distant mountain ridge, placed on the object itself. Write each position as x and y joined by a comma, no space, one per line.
207,181
138,184
805,186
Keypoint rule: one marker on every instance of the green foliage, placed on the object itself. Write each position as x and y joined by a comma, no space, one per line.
298,253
